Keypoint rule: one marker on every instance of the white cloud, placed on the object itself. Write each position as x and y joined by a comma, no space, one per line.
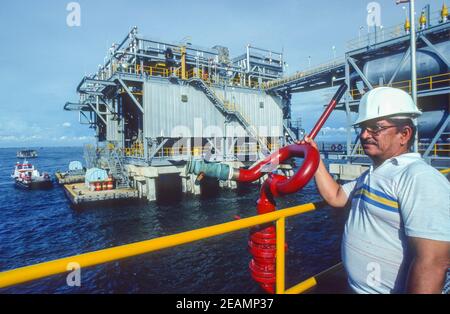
8,138
66,124
341,130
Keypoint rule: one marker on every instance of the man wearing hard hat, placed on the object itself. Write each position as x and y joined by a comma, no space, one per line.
397,236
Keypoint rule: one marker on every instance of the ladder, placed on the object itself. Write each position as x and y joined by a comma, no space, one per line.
118,170
291,138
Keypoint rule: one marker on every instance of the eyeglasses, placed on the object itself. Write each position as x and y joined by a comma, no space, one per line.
373,129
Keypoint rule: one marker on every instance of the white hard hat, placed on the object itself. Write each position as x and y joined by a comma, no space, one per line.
386,102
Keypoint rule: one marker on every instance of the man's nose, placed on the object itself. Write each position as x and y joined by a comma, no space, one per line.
365,134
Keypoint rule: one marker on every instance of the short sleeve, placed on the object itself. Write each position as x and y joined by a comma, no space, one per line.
349,187
424,200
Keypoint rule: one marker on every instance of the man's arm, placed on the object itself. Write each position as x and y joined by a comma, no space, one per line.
429,265
329,189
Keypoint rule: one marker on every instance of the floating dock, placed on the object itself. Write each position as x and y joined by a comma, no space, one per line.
78,193
65,178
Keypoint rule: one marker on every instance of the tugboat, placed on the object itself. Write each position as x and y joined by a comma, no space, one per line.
27,177
27,154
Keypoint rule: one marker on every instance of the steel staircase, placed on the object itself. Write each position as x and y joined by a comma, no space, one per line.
118,170
227,111
291,138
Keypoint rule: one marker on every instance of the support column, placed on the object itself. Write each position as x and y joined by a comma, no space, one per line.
194,189
151,188
347,107
413,68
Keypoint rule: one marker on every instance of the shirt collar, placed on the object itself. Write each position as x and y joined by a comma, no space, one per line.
405,159
400,160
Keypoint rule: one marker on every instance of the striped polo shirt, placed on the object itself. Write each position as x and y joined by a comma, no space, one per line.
403,197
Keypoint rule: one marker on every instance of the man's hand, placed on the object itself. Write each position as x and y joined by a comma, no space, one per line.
308,140
330,190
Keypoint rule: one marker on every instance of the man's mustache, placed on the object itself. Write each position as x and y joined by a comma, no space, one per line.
368,142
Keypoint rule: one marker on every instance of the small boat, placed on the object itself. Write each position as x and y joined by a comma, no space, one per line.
29,153
26,176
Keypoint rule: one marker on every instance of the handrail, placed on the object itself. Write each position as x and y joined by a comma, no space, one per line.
406,84
336,62
165,72
41,270
388,33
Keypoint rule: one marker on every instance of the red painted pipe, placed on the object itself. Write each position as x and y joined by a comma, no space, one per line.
311,155
337,96
262,242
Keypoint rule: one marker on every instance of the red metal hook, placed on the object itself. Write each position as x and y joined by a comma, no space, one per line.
262,242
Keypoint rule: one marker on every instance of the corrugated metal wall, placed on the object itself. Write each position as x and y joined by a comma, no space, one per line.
258,108
111,129
165,110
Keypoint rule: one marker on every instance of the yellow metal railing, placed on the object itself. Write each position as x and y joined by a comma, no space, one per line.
388,33
136,150
316,69
423,83
46,269
193,151
359,149
161,70
202,150
439,149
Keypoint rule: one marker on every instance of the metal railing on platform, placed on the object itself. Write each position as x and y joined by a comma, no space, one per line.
204,150
423,83
438,150
337,62
387,33
166,72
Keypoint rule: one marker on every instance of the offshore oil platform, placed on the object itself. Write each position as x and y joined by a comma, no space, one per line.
155,105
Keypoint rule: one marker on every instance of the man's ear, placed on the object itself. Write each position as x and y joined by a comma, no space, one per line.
406,135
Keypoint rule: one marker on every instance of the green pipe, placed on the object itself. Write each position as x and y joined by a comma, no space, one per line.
212,170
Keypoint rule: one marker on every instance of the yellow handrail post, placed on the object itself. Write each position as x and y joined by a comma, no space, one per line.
280,261
183,62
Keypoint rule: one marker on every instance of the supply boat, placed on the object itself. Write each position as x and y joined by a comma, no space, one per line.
26,176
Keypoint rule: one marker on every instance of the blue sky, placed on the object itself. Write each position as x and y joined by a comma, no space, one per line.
42,59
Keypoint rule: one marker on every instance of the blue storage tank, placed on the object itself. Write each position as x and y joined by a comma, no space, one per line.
75,166
95,174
